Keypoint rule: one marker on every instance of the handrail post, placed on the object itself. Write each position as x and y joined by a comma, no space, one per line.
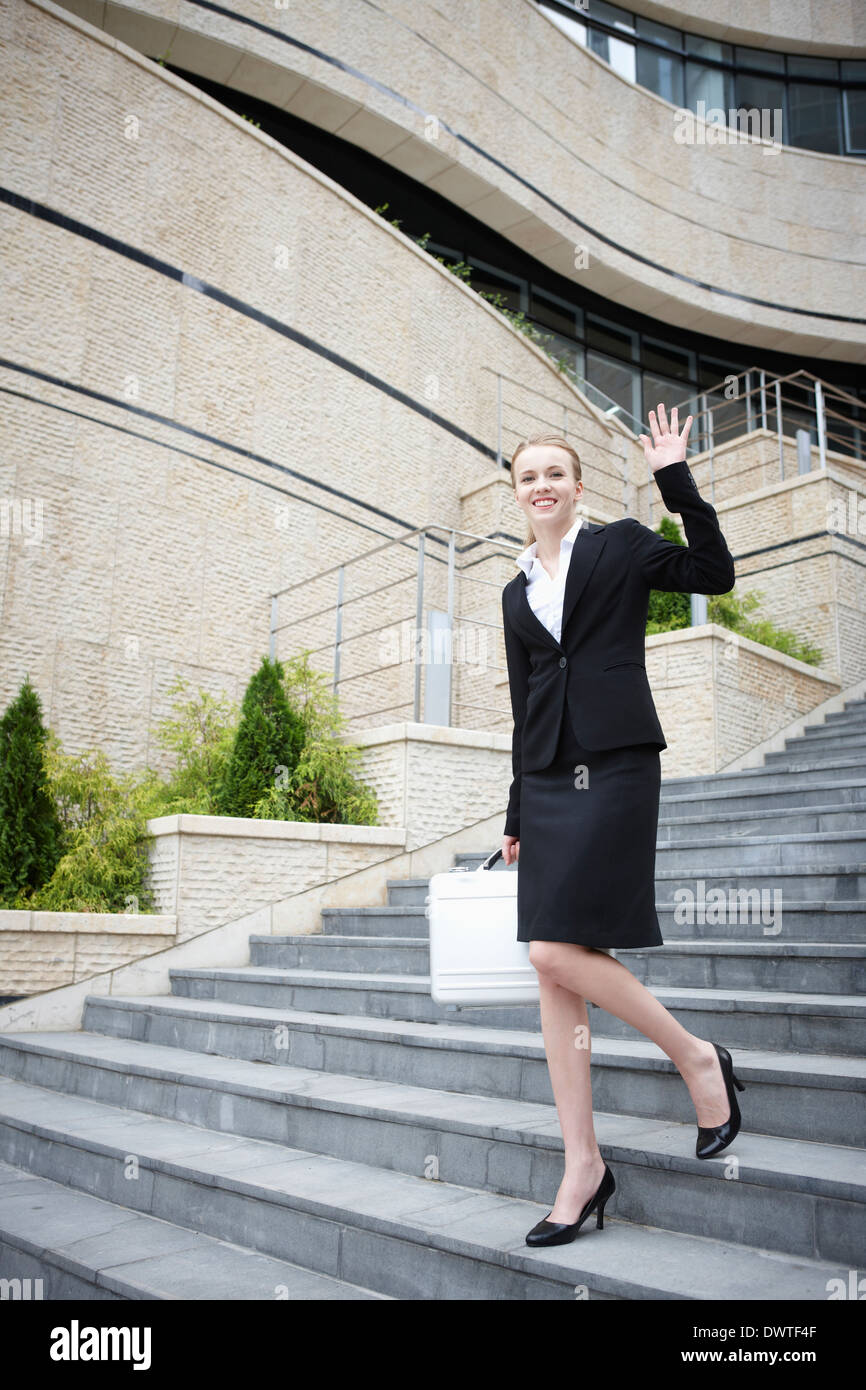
712,457
272,644
750,410
338,633
763,400
452,539
779,428
419,618
822,425
499,419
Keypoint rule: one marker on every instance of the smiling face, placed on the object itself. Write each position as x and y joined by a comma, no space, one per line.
545,487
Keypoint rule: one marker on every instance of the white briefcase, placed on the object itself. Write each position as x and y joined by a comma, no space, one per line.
475,957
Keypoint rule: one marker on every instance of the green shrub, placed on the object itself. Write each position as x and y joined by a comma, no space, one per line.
732,612
31,836
267,744
324,785
104,861
201,734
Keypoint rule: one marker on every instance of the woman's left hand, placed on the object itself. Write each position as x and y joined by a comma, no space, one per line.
667,444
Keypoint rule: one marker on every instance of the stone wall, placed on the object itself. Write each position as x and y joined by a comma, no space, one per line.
208,869
172,457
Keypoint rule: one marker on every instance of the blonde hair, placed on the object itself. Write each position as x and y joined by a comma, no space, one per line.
549,437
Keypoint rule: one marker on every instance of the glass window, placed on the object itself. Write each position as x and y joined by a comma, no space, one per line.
555,313
610,337
491,280
854,71
762,94
813,120
668,359
759,58
855,122
619,54
617,382
671,38
659,389
709,48
827,68
572,27
661,72
713,86
713,373
611,14
566,348
728,413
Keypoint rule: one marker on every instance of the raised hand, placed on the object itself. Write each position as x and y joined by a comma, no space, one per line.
667,444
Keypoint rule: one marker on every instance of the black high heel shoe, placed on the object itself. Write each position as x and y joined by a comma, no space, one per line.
711,1141
560,1233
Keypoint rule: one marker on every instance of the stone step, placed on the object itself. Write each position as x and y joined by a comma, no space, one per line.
706,854
85,1248
794,1196
771,963
842,737
403,920
630,1075
769,778
389,955
836,919
333,991
829,882
771,1019
854,714
771,885
816,751
742,825
846,793
747,1018
404,1235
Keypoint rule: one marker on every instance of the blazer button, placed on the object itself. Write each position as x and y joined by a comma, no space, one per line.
562,661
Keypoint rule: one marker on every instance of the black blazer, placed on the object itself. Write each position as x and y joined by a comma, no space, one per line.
596,672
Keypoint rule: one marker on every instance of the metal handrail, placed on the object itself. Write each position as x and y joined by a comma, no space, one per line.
557,400
762,398
374,550
497,548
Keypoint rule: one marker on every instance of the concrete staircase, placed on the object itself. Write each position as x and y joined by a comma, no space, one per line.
313,1126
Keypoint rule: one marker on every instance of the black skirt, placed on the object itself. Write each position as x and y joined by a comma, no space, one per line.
588,827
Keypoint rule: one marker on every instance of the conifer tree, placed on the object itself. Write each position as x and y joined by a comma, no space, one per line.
31,835
270,735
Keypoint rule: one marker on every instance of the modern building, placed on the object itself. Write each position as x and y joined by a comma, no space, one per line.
265,281
282,288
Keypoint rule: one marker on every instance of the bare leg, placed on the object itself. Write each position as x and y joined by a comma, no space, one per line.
565,1025
586,973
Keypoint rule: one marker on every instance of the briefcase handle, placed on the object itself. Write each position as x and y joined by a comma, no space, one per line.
490,861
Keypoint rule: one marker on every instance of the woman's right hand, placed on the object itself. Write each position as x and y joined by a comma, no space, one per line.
510,849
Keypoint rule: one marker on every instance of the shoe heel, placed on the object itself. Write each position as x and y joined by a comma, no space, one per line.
739,1085
599,1217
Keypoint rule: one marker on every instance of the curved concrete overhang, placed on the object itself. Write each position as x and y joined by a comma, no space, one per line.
535,136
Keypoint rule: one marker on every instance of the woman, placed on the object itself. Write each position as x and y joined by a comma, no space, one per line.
583,806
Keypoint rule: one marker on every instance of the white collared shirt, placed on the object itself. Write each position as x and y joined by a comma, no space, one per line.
546,595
